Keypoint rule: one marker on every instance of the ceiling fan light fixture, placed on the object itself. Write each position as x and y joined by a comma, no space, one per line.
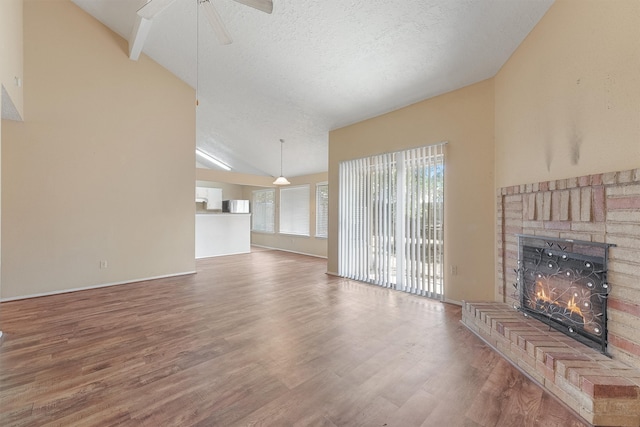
281,180
212,159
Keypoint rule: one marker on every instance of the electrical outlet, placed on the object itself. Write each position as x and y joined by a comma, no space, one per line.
454,270
103,263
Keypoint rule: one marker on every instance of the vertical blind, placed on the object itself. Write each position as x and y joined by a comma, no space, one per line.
391,220
294,210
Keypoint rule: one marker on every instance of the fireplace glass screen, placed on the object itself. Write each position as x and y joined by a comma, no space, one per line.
563,283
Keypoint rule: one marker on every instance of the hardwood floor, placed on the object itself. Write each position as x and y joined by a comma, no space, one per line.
262,339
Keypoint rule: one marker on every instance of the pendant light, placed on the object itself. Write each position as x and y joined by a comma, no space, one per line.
281,179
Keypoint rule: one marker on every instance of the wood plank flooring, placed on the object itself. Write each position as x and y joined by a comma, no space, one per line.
261,339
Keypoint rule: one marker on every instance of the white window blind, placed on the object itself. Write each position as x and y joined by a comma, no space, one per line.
294,210
263,210
391,220
322,209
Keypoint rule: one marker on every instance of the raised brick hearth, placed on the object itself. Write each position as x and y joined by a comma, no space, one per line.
603,391
597,208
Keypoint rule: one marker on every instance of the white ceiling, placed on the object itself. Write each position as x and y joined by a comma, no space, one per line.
314,66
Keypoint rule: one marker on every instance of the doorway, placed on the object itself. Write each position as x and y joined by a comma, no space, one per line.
391,220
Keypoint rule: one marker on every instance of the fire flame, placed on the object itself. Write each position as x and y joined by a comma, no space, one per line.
541,294
572,306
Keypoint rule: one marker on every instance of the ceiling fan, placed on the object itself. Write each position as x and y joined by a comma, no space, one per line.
154,7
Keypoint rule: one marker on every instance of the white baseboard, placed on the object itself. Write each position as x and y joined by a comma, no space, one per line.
216,256
102,285
451,301
331,273
287,250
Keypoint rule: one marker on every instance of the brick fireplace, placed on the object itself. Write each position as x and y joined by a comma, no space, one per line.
601,208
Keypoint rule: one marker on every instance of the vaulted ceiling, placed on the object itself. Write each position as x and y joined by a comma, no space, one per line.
314,66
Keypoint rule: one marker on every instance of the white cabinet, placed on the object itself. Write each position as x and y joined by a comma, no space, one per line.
201,194
212,197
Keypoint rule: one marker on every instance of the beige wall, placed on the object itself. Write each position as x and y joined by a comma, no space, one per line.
11,66
11,51
1,199
102,169
301,244
465,119
568,100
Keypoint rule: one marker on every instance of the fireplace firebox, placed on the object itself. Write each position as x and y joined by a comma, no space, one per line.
563,283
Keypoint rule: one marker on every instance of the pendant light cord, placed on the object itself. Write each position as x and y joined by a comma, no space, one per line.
281,180
281,145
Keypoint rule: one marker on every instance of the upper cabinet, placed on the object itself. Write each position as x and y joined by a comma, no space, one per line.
201,194
211,196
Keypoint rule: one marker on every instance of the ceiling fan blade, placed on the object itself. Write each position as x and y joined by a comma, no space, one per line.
153,7
216,22
262,5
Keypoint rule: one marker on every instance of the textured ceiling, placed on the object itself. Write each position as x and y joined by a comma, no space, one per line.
313,66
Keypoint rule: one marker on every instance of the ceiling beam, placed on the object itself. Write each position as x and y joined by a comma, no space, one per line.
138,36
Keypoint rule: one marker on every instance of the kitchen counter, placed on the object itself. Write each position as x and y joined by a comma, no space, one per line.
220,234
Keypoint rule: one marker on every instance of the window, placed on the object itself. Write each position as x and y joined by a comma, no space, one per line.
294,210
263,217
322,209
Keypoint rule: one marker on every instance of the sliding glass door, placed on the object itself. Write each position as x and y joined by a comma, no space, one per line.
391,220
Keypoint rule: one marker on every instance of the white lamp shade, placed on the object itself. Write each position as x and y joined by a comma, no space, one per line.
281,181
